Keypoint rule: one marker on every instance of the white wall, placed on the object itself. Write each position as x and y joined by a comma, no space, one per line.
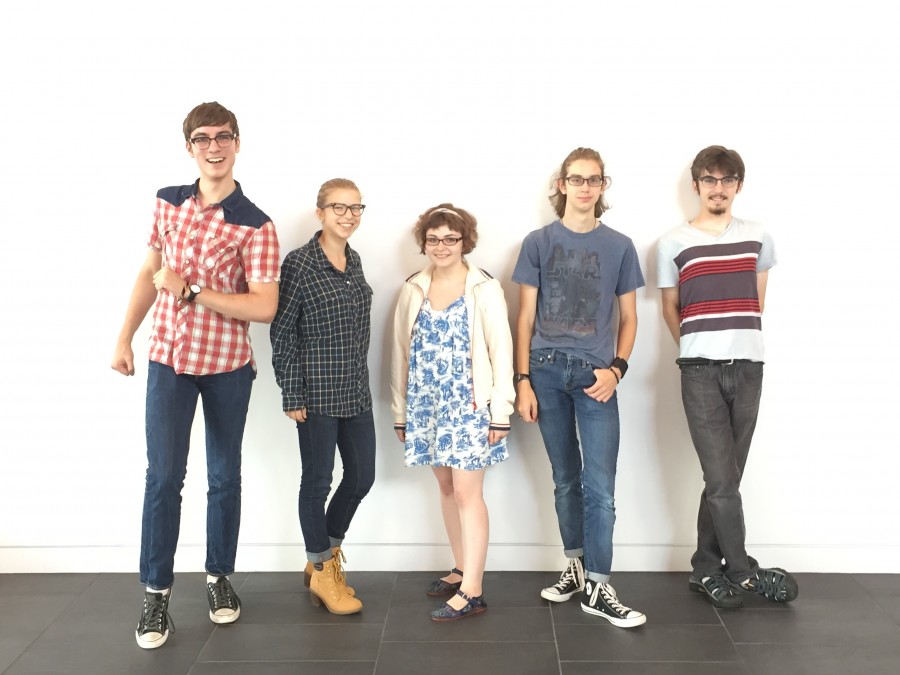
475,103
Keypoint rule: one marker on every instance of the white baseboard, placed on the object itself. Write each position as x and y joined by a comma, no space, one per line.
412,557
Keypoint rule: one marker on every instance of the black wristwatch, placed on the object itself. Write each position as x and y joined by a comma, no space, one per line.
194,291
518,377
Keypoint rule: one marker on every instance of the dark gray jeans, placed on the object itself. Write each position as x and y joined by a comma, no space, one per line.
721,402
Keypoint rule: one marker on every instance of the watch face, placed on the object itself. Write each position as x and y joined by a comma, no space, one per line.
195,288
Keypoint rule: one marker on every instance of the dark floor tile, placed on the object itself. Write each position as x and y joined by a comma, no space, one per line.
27,616
44,584
684,668
478,658
829,659
648,583
660,608
877,585
817,622
104,655
11,648
285,668
279,642
297,608
649,642
412,623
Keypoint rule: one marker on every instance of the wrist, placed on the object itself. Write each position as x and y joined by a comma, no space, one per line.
519,378
621,365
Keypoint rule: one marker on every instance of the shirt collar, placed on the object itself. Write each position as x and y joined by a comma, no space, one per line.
322,259
229,205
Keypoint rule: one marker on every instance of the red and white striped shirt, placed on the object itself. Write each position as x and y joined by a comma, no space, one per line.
221,247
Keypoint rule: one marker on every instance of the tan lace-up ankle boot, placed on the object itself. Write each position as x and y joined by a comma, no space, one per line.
339,559
325,587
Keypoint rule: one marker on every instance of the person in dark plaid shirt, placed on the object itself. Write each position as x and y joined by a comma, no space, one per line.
320,344
212,268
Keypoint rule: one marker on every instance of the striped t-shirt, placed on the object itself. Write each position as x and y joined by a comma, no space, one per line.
716,277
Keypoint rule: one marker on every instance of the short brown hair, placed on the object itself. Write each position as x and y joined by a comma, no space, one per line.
334,184
558,198
212,114
458,220
718,158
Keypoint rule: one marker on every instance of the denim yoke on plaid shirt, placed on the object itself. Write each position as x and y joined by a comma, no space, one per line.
220,247
320,335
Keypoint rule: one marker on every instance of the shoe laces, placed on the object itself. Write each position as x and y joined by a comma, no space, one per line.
568,576
610,598
156,612
339,560
222,594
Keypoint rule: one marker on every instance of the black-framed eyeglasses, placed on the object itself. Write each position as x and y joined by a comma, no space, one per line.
223,140
448,241
710,181
594,181
340,209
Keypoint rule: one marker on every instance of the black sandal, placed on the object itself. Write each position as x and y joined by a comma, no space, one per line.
441,587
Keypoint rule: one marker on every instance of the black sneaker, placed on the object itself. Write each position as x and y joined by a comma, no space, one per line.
224,604
154,625
718,590
571,581
600,600
773,583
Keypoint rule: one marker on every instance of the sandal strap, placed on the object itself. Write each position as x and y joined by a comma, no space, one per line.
465,597
454,570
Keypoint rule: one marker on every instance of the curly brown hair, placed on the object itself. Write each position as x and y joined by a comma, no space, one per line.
458,220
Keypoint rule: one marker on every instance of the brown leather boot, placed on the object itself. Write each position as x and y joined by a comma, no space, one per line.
325,587
339,559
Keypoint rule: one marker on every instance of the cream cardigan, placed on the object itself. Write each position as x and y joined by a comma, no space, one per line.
489,338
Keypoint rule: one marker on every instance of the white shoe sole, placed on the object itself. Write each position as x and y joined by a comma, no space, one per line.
227,618
151,644
621,623
557,597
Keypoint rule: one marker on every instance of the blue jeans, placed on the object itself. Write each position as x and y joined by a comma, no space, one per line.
355,440
585,474
721,403
171,403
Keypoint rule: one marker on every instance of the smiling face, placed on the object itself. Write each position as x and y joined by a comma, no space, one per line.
215,162
716,199
444,255
335,227
581,199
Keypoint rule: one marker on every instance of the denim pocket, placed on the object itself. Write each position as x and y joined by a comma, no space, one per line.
538,358
693,371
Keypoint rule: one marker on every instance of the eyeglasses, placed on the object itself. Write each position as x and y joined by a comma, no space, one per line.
341,209
593,181
446,241
710,181
223,140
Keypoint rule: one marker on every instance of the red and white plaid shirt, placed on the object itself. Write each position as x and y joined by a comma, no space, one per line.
221,247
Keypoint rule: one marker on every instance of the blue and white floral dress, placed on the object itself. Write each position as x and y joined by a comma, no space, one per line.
443,427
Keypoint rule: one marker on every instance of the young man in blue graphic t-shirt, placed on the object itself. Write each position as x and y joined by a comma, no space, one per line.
571,354
713,272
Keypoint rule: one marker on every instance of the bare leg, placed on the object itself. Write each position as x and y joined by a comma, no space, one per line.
450,512
473,518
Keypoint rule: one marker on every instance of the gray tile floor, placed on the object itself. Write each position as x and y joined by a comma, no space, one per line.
84,623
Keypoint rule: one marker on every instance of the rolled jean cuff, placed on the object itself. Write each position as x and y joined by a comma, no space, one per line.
573,553
319,557
335,542
596,577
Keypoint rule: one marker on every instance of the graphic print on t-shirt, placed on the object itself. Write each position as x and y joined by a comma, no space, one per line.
573,293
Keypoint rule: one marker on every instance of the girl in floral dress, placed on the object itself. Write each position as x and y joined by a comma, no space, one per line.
452,391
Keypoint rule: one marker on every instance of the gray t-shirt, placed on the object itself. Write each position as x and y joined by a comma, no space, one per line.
578,275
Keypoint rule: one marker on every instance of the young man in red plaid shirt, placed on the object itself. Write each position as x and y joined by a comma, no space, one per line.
212,268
